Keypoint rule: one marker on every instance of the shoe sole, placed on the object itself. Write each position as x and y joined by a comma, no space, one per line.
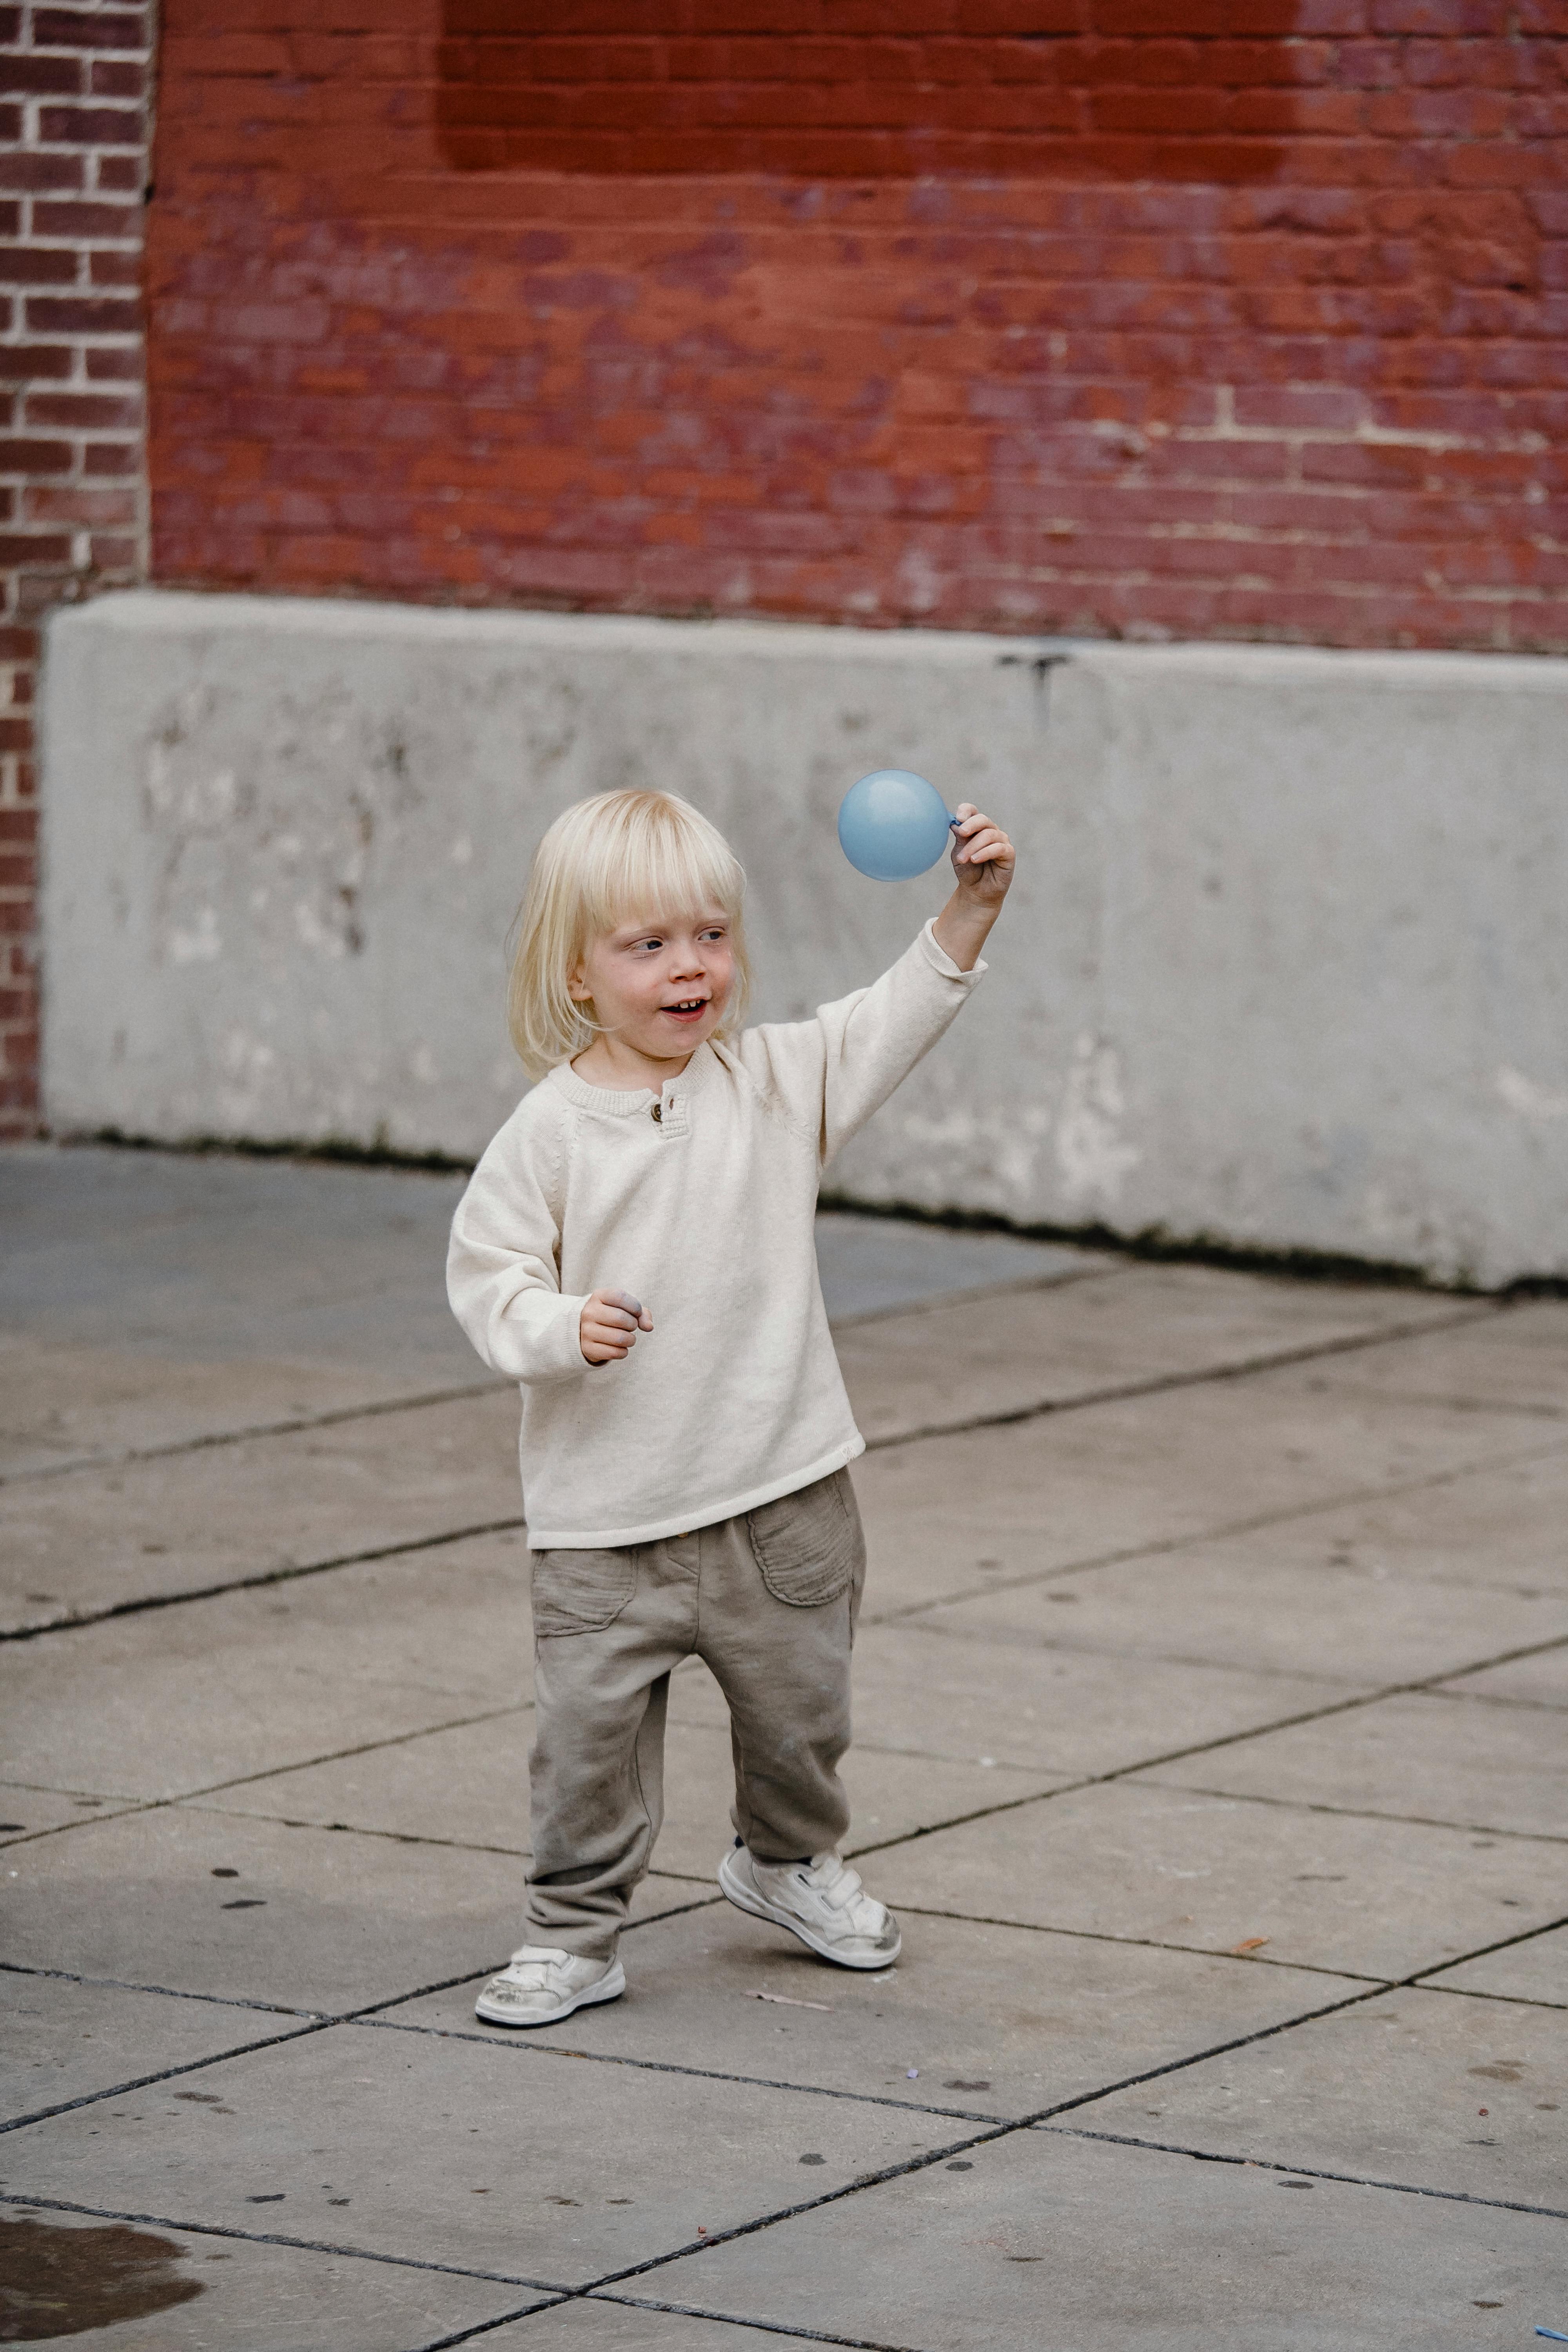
608,1988
744,1900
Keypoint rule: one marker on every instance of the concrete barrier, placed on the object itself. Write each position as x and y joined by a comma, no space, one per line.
1285,967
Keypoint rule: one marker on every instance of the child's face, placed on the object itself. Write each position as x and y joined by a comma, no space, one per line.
660,987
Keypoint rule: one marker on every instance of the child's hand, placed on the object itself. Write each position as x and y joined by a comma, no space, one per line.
983,857
609,1324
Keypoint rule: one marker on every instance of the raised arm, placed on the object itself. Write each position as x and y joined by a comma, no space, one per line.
832,1072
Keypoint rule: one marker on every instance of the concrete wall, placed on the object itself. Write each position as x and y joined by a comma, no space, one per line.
1284,965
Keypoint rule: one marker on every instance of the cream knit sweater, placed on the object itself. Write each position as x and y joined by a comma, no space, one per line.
699,1201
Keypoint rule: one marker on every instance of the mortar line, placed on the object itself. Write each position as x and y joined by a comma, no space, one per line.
294,1425
284,1574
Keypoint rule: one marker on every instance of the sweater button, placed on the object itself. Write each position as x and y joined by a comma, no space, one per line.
656,1113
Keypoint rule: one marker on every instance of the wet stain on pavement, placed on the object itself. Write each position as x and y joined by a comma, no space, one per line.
58,2281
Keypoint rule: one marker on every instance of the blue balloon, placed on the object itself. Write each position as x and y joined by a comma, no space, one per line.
893,824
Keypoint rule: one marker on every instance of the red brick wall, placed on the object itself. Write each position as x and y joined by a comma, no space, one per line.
1206,318
72,487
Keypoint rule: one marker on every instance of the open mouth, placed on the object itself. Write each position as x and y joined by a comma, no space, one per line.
690,1008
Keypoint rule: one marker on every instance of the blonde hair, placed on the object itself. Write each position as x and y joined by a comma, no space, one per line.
612,859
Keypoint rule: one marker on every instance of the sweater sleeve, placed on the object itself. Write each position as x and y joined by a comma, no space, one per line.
830,1074
502,1269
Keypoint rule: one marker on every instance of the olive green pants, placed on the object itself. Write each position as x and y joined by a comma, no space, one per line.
768,1602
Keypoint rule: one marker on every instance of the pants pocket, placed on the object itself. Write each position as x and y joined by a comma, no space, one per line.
581,1591
808,1545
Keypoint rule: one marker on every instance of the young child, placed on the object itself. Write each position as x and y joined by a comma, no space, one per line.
636,1249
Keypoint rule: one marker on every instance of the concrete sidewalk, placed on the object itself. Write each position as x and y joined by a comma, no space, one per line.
1212,1716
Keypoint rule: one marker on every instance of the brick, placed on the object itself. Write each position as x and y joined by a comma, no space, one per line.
23,264
119,171
27,171
85,412
85,220
81,314
112,458
36,456
104,28
117,78
91,126
54,76
28,362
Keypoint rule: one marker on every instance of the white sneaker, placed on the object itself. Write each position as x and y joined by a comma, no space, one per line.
540,1986
821,1901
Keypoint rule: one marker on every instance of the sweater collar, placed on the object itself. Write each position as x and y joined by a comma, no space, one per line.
617,1103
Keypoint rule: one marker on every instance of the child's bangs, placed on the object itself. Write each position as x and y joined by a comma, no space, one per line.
657,866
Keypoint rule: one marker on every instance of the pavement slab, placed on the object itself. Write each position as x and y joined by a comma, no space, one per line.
594,2323
470,1786
1535,1968
1496,1526
1434,2090
1368,1897
203,1902
1048,2244
29,1811
66,2039
1539,1680
190,2292
1067,1713
188,1523
874,1265
947,1517
500,2156
167,1297
976,2021
1416,1756
177,1700
1231,1603
1144,1323
1236,1509
1515,1361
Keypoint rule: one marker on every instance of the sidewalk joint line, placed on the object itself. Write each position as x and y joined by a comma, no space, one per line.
167,1992
1221,1740
1366,1813
258,1581
728,2319
295,1426
1312,2173
1352,1498
276,2238
166,2075
1165,1383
